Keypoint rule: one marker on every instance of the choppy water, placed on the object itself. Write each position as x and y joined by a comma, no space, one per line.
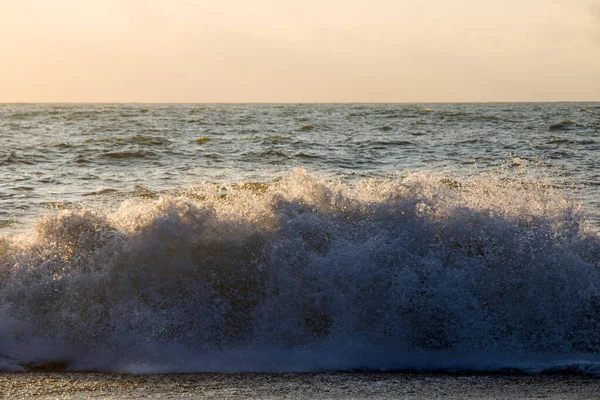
73,154
300,237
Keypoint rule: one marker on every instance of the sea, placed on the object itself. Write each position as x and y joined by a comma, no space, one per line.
300,250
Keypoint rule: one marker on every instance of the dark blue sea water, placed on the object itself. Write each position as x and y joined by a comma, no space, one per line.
221,238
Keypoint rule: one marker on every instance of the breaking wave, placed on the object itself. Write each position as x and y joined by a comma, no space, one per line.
308,274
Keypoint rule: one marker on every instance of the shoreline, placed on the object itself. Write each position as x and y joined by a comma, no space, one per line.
337,385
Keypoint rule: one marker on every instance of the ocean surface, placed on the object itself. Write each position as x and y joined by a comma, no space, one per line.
300,238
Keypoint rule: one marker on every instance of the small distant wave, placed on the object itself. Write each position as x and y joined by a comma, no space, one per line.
563,125
276,138
142,140
102,192
274,153
80,115
473,141
24,188
586,142
384,143
572,141
307,155
487,118
128,154
143,192
63,145
148,140
14,158
421,272
392,143
81,159
423,111
558,141
467,116
25,115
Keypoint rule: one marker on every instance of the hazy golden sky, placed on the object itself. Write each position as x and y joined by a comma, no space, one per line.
299,51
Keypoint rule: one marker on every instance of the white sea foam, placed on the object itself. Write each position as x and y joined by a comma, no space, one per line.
307,274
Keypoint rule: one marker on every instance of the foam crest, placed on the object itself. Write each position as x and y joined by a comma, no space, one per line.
306,273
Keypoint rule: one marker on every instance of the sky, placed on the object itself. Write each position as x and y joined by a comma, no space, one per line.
299,51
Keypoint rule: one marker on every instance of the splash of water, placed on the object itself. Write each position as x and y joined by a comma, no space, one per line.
305,274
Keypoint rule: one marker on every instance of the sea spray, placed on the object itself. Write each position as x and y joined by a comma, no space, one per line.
420,271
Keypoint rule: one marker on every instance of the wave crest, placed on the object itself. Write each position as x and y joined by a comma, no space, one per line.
307,274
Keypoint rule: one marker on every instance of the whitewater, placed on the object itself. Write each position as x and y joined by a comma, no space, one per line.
307,274
320,264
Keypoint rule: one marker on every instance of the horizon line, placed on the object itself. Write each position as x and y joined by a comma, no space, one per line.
297,102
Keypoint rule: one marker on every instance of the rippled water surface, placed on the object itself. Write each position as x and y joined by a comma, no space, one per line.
71,154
